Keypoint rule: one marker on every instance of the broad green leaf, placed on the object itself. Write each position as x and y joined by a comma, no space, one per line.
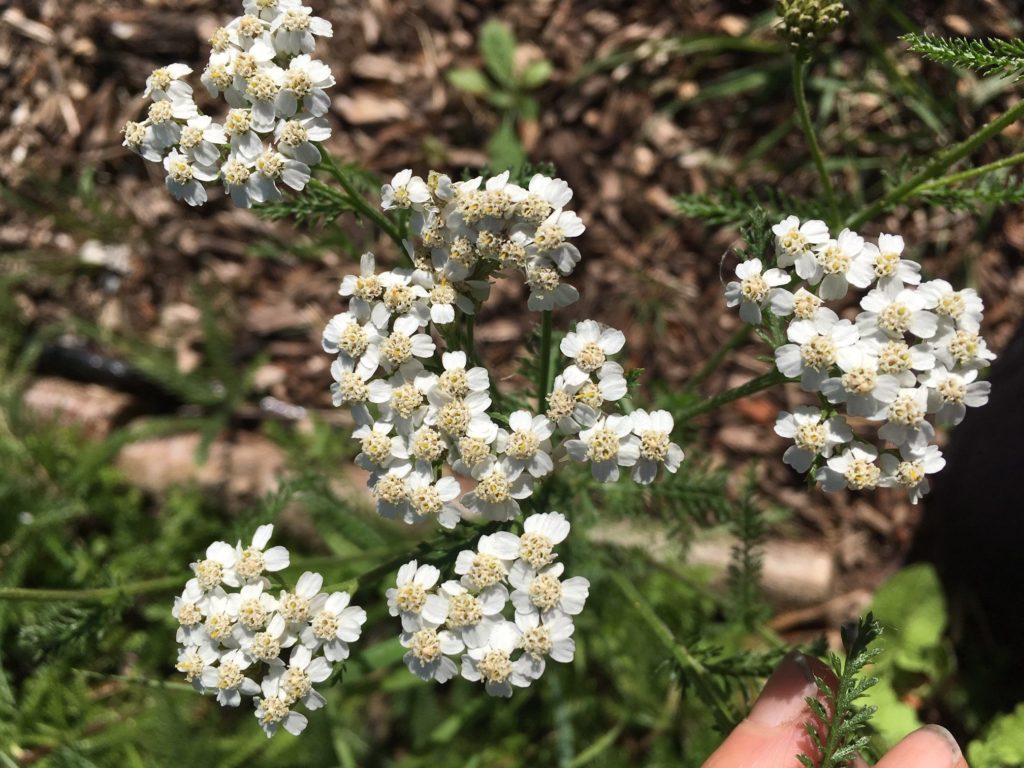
498,48
894,719
536,74
1003,745
913,609
504,148
469,80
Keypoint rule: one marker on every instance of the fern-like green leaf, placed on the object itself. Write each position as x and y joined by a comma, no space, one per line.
991,56
836,729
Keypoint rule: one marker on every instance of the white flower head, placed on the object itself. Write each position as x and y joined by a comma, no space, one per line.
837,264
252,561
960,349
165,84
542,638
963,307
588,347
950,394
605,443
911,468
861,386
888,264
754,290
274,710
295,137
184,178
293,30
500,484
906,418
544,592
855,468
334,624
411,599
471,617
492,663
489,564
217,568
295,681
892,311
812,435
304,84
527,443
430,649
541,534
815,348
404,191
793,239
652,433
190,609
228,679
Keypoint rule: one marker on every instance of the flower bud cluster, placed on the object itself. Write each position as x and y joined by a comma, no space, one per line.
807,23
909,358
235,634
260,64
469,617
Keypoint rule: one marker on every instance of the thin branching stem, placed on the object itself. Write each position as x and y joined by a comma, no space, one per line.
355,198
97,595
738,337
763,382
804,114
970,173
544,371
697,673
937,166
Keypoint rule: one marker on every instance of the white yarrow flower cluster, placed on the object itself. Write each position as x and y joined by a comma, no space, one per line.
909,358
470,617
241,638
275,92
473,228
578,405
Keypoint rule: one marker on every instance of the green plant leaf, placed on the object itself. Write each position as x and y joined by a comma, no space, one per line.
498,48
536,74
913,609
469,80
504,148
1003,745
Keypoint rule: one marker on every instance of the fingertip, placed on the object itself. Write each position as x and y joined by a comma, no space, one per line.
773,734
929,747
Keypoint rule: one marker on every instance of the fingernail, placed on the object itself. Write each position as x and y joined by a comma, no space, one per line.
782,700
937,732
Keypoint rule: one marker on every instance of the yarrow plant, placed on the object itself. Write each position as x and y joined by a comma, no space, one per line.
444,443
240,637
908,358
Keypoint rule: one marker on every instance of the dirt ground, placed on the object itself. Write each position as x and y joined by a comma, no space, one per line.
627,136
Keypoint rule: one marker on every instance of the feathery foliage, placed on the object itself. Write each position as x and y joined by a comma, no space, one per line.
837,733
991,56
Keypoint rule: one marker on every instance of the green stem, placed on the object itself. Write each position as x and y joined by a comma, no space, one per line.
970,173
353,196
545,360
101,594
698,674
937,166
97,595
738,337
804,114
763,382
